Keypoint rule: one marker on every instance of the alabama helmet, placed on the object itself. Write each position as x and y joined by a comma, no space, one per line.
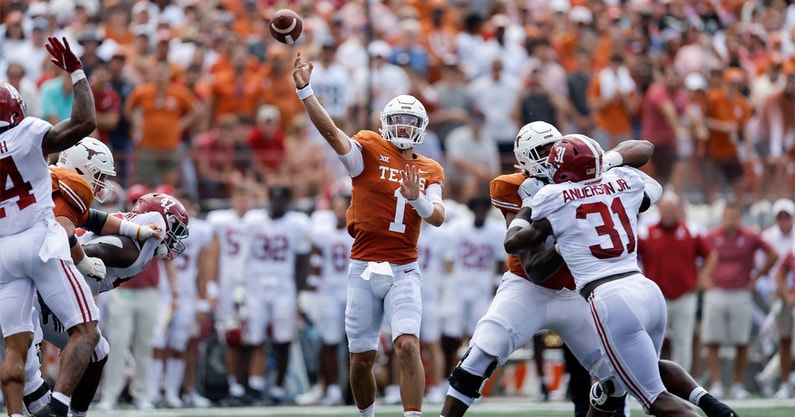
176,218
12,107
93,160
403,122
575,158
528,145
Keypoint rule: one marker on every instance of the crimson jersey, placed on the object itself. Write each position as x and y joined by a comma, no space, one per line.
72,195
385,227
504,193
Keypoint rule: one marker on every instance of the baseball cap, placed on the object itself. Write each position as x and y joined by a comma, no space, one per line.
379,48
268,112
695,81
783,205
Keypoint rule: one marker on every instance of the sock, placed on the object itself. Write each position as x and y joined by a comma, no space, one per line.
16,415
696,394
368,412
333,391
235,389
412,414
87,386
62,398
175,371
157,379
256,382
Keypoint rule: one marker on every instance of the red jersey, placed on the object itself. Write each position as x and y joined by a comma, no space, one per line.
669,258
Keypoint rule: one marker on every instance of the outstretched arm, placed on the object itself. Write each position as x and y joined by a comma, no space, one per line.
339,141
83,120
634,153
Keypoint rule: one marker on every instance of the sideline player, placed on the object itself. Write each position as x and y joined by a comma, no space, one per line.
35,247
394,189
592,214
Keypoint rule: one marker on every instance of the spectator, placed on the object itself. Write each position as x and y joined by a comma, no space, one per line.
266,139
670,253
237,90
15,75
277,85
56,98
728,302
332,86
160,111
384,80
473,157
119,137
776,140
454,103
727,113
495,94
106,100
580,118
32,55
613,98
215,154
90,39
781,237
304,160
536,103
660,113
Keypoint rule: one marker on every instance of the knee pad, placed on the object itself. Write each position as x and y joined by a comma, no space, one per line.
100,350
468,383
602,399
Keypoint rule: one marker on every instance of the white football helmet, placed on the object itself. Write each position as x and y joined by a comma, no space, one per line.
94,161
403,122
530,139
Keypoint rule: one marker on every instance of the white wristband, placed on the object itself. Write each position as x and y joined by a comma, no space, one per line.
519,222
128,228
203,306
77,76
423,206
305,92
612,159
212,290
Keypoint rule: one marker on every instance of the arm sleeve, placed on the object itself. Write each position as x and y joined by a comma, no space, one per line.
96,220
434,193
353,161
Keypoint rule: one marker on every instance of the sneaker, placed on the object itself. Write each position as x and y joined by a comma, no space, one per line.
716,390
738,392
276,395
143,405
765,386
435,395
311,397
172,401
333,396
105,406
784,392
48,411
194,399
392,395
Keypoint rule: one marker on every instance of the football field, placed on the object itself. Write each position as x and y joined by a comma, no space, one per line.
491,407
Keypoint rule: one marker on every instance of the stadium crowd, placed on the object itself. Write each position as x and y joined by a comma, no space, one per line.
196,99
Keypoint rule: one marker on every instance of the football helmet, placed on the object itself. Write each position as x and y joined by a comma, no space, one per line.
176,218
403,122
528,145
12,107
93,160
575,158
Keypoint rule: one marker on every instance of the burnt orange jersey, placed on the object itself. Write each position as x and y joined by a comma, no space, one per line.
72,195
385,227
504,193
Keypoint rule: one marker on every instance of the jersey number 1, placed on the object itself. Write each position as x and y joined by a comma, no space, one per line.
19,188
608,227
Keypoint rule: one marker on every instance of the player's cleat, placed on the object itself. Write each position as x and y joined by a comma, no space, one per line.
436,395
311,397
714,408
738,392
392,395
54,408
172,401
784,392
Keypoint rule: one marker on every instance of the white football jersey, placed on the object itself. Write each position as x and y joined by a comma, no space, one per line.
273,245
25,183
230,230
116,276
335,252
477,250
433,244
187,263
595,224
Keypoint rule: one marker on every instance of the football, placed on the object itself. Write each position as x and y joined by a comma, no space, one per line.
286,26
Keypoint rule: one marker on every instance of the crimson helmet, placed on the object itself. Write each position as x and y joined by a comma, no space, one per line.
176,218
575,158
135,192
12,106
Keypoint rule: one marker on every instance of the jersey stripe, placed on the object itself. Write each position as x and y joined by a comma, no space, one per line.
505,204
74,196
